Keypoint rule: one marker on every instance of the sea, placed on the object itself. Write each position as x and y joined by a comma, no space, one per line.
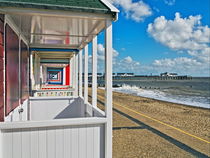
194,92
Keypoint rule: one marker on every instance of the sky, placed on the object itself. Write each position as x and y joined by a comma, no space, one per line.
155,36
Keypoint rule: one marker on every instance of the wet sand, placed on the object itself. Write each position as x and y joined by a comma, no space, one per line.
136,136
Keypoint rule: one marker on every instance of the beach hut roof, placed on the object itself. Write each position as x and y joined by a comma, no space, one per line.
93,6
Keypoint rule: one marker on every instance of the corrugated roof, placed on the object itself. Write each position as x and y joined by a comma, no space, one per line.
95,6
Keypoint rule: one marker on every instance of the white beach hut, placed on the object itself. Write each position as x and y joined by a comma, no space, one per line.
44,108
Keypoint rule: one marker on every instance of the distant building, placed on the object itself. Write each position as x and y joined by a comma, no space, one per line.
168,74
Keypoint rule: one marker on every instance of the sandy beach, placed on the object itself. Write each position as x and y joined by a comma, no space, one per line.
136,134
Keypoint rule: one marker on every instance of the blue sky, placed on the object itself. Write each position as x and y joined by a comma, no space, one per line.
154,36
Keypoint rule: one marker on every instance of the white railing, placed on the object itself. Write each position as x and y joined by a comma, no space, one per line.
76,138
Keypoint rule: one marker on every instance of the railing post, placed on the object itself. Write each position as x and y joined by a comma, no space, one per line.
86,75
108,88
94,71
80,73
76,74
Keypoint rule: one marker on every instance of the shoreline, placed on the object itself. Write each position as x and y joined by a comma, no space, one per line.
155,93
165,101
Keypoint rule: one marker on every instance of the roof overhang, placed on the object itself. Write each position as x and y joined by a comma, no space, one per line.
56,28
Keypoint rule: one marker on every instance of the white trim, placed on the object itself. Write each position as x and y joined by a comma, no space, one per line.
4,72
94,71
52,123
110,6
80,73
76,74
54,13
86,75
64,76
108,88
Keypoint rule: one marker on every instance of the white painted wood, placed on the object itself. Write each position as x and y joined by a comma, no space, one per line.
59,139
108,88
52,123
94,71
64,76
51,142
16,142
48,109
90,142
83,142
110,6
86,75
55,13
42,143
96,141
1,144
75,143
80,73
67,142
34,143
76,74
26,144
7,144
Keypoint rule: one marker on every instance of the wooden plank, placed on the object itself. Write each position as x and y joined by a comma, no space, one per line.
75,143
59,140
83,142
86,75
67,142
50,143
53,123
34,143
80,73
94,72
7,147
108,88
42,143
26,143
16,143
90,141
96,141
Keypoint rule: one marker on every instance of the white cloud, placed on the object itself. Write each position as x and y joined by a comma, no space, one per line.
169,2
126,65
180,33
136,11
176,62
128,59
182,65
183,35
101,51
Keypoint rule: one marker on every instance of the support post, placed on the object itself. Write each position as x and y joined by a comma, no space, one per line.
86,75
80,73
94,71
108,88
76,74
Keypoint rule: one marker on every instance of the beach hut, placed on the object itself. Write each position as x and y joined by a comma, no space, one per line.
44,108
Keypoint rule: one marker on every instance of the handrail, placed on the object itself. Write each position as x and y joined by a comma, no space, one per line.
52,123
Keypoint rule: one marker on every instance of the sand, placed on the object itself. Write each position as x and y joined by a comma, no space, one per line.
136,136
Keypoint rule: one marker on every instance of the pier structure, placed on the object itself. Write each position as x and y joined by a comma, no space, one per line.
44,107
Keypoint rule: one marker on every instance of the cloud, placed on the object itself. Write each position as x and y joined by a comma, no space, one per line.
183,35
180,33
126,64
101,51
136,11
170,2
